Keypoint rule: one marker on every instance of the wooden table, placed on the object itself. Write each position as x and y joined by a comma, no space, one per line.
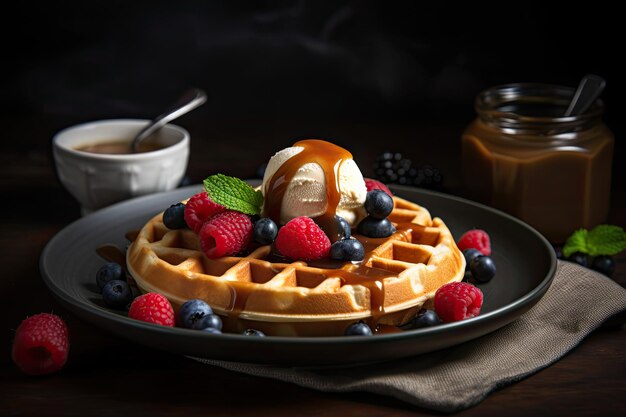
109,376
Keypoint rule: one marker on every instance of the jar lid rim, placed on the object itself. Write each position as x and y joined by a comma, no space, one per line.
489,99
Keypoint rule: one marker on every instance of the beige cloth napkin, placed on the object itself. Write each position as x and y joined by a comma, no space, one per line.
452,379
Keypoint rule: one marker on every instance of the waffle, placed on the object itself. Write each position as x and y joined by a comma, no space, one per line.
399,275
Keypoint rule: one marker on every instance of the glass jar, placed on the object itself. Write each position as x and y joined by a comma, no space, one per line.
523,156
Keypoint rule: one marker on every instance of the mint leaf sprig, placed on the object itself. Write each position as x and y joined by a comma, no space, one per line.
234,194
601,240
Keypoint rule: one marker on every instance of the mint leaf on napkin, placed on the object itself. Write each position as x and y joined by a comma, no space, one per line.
234,194
601,240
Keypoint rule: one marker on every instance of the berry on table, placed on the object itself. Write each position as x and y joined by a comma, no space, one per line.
579,258
458,301
225,234
302,239
483,268
604,264
393,168
174,217
152,307
265,231
41,344
347,250
425,318
475,239
376,228
108,272
358,329
192,311
378,204
117,294
199,208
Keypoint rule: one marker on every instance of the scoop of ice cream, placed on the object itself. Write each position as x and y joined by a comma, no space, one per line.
306,193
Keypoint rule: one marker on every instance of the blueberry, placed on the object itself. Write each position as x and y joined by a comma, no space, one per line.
347,250
212,330
579,258
174,217
483,268
372,227
109,272
378,204
265,231
425,318
344,227
117,294
358,329
558,251
192,311
469,255
208,320
604,264
253,332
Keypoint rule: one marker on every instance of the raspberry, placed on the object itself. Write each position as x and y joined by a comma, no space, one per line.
302,239
475,239
371,184
199,208
225,234
152,307
457,301
41,344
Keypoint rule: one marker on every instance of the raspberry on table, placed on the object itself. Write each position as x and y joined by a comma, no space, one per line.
152,307
41,345
371,184
199,208
225,234
458,301
302,239
475,239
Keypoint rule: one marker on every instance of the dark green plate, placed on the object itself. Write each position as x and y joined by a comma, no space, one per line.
525,262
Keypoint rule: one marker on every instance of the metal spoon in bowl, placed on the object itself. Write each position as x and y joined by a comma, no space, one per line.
588,90
187,102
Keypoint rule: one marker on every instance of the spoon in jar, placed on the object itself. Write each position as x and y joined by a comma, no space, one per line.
590,87
187,102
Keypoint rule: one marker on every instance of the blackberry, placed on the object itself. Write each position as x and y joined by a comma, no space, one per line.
393,168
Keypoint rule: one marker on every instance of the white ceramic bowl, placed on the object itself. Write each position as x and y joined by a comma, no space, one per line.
97,180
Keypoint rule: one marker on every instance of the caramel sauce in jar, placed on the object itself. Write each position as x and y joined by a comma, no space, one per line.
521,155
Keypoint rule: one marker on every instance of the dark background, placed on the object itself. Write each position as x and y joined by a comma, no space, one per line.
371,76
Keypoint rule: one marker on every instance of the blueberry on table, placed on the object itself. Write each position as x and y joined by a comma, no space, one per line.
579,258
174,217
358,329
378,204
483,268
265,231
347,250
191,311
109,272
117,294
376,228
604,264
425,318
